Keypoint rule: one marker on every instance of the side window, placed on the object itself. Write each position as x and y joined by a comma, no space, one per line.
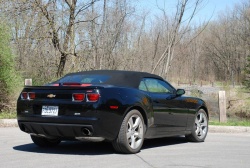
142,86
158,86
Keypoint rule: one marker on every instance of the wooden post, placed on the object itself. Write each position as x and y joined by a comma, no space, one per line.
28,82
222,106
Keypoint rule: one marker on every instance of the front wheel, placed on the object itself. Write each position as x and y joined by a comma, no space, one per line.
44,142
200,128
131,134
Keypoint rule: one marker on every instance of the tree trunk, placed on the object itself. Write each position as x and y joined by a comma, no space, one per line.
61,65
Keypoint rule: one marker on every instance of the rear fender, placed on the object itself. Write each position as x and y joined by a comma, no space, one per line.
141,110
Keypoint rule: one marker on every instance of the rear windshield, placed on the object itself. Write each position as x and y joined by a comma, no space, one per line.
84,79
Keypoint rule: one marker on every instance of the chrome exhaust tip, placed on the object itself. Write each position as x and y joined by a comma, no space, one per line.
86,132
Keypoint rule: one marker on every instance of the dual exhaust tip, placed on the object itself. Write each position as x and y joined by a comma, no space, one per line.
86,132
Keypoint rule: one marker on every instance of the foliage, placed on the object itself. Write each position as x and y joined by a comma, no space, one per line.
10,80
247,73
196,93
8,115
115,35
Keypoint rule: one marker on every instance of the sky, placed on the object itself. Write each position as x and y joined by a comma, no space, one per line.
210,9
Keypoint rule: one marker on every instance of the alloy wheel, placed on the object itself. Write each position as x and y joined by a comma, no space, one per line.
135,131
201,124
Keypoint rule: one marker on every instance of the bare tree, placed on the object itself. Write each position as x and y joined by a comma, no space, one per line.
65,46
51,37
175,32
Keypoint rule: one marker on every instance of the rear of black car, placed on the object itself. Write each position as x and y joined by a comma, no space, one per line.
69,112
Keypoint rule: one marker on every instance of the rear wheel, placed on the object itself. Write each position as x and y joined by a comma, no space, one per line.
200,128
44,142
131,134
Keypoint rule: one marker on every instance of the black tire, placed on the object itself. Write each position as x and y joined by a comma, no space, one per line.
200,127
44,142
130,140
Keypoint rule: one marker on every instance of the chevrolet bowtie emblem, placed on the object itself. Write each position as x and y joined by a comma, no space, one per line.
51,96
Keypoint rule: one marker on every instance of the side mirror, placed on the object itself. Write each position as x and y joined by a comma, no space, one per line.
180,92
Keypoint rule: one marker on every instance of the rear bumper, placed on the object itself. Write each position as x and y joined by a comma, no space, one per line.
66,127
56,130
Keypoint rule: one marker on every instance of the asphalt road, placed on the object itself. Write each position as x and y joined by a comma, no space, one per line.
219,150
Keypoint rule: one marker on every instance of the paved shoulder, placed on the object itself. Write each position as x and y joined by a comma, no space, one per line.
229,129
8,123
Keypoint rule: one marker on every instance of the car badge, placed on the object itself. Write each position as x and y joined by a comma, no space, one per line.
51,96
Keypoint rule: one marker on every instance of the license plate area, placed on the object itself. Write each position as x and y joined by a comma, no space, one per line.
50,110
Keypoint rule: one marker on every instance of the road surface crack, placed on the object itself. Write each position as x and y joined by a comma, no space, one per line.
145,161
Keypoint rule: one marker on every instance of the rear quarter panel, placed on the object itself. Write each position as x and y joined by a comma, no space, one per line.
193,104
126,99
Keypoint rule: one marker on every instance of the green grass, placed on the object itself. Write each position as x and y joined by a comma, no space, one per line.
245,123
7,115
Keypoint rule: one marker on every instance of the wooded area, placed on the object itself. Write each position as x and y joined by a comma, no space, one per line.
51,38
54,37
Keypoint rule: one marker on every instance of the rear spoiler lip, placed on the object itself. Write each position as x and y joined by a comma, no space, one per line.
65,87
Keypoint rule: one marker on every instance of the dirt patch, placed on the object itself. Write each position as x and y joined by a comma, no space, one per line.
244,115
238,100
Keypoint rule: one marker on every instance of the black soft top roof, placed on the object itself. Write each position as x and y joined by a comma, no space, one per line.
120,77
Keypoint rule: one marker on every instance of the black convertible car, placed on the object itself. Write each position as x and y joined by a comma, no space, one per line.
122,107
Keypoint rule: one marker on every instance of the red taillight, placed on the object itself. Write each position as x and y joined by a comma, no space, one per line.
86,84
93,97
114,107
24,95
78,96
71,84
32,95
28,95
